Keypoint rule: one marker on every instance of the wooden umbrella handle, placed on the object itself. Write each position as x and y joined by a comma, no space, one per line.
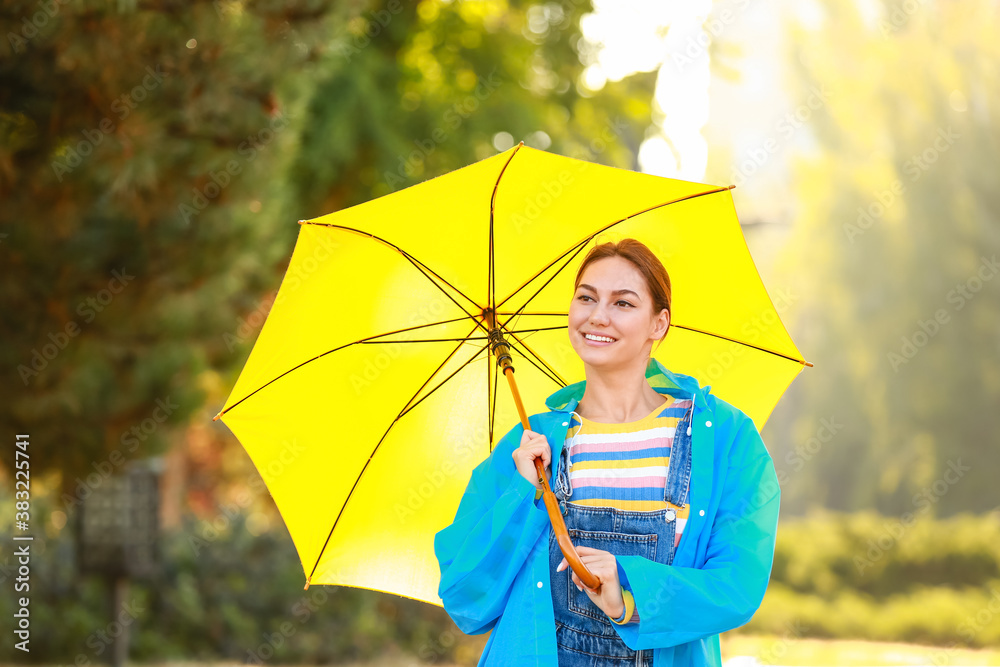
502,351
590,580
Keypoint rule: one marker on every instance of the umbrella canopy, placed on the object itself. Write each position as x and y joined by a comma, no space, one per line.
371,394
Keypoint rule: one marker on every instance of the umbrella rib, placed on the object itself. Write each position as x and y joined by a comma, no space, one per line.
413,328
521,331
673,326
491,275
491,287
422,340
357,342
514,331
471,316
452,340
441,384
490,400
676,326
423,268
606,228
406,408
493,407
545,371
740,342
562,314
517,312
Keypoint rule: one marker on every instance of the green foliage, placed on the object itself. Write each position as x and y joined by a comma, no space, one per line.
178,146
225,594
119,281
222,594
867,576
407,94
892,260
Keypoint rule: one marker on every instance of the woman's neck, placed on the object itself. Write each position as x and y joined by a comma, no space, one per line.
619,396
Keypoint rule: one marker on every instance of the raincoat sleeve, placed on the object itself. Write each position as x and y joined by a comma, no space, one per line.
682,604
496,527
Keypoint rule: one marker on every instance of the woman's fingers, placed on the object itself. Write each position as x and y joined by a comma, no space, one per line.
530,437
544,453
592,558
533,447
582,549
604,566
535,451
600,563
532,453
536,445
580,586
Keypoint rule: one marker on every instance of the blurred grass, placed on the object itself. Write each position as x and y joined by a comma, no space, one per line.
748,650
740,650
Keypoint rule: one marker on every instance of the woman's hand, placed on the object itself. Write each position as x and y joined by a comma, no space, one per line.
532,446
605,566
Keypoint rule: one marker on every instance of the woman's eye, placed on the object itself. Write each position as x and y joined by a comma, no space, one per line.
584,296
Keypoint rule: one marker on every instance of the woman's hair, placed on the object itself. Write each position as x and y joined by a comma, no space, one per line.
648,264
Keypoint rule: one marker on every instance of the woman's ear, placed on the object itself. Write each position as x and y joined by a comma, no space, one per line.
662,323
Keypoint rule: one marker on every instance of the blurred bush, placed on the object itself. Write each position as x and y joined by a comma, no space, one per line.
868,576
222,593
225,594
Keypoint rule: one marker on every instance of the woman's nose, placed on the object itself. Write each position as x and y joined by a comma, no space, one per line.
598,316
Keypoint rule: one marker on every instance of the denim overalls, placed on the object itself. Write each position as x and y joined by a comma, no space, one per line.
584,633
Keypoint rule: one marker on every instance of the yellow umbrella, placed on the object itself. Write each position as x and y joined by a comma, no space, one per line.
372,392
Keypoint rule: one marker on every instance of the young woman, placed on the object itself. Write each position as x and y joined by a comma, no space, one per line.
668,492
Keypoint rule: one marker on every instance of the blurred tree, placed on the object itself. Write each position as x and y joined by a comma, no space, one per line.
895,251
134,210
412,91
154,161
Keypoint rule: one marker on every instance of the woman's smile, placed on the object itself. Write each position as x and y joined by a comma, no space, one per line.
598,340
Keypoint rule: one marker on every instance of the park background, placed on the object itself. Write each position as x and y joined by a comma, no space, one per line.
155,157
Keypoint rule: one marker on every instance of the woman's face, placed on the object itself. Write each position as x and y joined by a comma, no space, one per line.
613,301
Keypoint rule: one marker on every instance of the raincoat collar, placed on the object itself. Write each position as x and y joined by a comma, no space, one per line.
659,378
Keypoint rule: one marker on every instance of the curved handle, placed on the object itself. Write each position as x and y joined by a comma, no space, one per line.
502,351
589,579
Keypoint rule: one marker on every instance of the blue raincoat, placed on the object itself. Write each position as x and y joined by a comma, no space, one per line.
494,557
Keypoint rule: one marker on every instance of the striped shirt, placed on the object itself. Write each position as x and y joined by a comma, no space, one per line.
625,465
